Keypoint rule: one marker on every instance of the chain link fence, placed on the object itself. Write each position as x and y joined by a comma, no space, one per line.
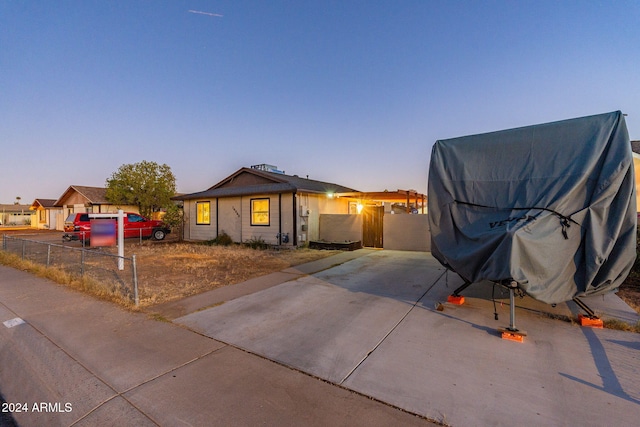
95,263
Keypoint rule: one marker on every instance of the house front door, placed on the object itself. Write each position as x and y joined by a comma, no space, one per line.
372,226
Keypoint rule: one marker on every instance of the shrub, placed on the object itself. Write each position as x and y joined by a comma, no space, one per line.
223,239
257,243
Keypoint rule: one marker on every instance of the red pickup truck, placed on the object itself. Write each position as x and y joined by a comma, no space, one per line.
78,226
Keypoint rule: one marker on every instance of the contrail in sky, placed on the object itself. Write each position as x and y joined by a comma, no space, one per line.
205,13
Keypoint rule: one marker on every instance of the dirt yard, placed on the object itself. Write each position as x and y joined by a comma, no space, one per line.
170,271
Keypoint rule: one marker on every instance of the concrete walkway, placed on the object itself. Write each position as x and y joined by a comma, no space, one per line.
306,346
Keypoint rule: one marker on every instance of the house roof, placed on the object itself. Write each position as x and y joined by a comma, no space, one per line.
94,195
13,208
247,181
45,203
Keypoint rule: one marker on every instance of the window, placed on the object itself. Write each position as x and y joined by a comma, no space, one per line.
203,213
259,211
43,215
135,218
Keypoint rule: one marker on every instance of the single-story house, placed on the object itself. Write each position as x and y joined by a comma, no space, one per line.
80,199
46,214
15,215
263,203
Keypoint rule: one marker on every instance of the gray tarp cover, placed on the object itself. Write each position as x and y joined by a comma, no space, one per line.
550,206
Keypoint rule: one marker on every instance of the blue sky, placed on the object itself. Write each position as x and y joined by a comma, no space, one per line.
350,92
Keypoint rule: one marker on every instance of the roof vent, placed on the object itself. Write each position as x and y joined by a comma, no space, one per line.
267,168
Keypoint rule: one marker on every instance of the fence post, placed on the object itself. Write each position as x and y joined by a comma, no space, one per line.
24,244
48,255
82,262
135,280
4,242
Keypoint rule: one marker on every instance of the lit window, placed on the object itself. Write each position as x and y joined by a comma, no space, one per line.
259,211
203,212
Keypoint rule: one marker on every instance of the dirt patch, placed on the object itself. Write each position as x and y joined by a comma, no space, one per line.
171,271
630,291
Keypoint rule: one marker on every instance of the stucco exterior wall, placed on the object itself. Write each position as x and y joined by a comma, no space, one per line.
266,233
310,208
200,231
230,217
406,232
234,218
287,208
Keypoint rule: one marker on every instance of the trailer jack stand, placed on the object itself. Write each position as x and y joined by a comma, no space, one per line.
512,333
455,297
590,319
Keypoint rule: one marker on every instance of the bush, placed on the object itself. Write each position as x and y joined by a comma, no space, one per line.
257,243
223,239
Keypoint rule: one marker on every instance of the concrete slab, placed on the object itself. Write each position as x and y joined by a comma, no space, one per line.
452,366
232,387
116,412
328,262
174,309
324,324
34,370
379,325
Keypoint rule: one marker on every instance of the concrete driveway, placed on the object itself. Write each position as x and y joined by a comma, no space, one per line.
372,325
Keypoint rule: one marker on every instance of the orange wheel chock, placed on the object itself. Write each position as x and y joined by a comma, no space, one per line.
455,299
593,322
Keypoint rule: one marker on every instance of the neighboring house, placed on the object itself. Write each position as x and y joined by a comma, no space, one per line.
635,147
46,214
263,203
15,215
80,199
